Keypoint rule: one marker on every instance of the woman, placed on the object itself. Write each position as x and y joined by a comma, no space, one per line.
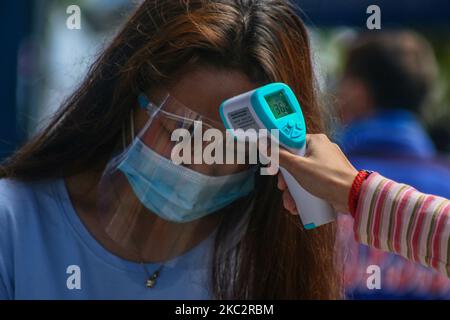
62,228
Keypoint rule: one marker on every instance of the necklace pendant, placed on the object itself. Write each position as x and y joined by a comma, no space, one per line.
150,283
152,280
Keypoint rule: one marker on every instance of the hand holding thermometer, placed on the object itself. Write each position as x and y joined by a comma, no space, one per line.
274,106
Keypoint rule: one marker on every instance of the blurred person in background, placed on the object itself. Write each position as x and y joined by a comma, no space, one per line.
440,133
387,81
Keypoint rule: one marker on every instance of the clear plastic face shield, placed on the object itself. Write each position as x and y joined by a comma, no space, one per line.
162,194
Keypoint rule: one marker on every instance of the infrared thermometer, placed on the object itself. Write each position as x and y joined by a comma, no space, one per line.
274,106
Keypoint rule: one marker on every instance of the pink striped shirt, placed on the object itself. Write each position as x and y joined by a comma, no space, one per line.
397,218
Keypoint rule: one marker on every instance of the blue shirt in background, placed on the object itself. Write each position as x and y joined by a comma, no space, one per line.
393,143
47,253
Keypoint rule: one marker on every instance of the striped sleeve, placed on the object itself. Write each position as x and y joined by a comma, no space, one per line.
397,218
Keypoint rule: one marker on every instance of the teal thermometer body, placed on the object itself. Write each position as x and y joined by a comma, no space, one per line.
274,106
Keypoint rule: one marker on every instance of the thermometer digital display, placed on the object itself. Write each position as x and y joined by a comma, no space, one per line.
274,106
278,104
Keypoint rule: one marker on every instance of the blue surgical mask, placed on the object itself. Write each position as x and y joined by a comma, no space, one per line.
177,193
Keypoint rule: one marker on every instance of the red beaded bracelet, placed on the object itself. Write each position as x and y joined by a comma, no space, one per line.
355,190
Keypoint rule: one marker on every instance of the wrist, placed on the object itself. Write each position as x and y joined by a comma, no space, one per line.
355,190
340,198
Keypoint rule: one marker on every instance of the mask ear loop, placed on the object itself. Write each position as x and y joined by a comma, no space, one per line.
132,124
124,139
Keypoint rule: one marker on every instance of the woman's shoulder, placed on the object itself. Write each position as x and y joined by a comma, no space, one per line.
18,198
22,204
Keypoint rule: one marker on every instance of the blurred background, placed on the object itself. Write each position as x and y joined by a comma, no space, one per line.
386,93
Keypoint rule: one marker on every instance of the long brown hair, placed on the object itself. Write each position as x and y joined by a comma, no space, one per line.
267,41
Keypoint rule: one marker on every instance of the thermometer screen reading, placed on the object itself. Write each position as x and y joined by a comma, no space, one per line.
279,105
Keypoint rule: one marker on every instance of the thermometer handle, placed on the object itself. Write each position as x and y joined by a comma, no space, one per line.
313,211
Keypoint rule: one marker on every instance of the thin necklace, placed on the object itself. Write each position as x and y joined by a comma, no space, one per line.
151,278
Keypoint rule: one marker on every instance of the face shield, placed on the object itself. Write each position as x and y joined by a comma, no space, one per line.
168,189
